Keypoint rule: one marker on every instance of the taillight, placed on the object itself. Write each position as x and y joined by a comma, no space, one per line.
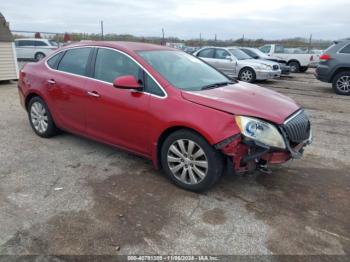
325,57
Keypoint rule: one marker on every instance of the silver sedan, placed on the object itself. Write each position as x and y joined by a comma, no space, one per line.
235,63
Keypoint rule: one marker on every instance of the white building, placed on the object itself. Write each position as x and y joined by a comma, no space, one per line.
8,59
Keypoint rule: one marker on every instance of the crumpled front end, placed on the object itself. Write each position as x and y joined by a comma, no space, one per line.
246,154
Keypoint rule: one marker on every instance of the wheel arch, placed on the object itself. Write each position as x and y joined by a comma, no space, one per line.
293,60
246,67
29,97
168,131
339,70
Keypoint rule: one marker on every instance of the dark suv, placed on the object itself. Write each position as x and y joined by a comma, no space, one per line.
334,67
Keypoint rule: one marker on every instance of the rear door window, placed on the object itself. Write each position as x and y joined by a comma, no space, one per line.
75,61
40,43
207,53
221,54
26,43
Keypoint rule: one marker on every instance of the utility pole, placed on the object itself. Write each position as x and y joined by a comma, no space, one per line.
310,40
101,30
163,37
215,38
200,39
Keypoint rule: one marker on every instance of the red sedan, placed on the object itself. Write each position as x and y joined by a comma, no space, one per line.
191,120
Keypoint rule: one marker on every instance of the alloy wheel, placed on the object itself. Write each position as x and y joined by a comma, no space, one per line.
39,118
343,84
246,76
187,161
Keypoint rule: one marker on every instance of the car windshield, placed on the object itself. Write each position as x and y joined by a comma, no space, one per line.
259,53
53,43
184,71
239,54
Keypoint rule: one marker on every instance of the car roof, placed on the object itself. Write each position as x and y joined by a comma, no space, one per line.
131,46
33,39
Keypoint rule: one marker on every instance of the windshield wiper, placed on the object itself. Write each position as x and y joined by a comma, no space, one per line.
216,85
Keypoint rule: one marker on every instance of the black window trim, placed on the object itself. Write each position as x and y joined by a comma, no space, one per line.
93,56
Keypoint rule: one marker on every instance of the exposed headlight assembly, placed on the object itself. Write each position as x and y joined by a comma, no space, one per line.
260,131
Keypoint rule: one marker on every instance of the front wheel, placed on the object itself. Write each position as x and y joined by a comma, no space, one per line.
247,75
190,162
40,118
341,83
294,67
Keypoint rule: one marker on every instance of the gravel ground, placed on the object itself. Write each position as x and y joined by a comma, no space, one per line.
70,195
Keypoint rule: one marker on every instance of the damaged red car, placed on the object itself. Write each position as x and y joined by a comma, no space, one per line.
194,122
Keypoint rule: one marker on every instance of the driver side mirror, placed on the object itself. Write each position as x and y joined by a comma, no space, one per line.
127,82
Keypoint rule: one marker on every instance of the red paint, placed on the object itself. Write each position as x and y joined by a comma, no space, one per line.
126,82
135,120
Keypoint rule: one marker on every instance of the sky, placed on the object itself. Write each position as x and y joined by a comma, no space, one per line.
186,19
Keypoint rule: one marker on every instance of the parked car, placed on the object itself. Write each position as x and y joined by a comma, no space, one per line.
235,63
298,62
34,48
161,103
257,54
334,67
190,49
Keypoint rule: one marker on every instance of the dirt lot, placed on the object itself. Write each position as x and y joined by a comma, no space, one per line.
69,195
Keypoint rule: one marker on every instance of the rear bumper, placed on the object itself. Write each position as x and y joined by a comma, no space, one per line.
323,73
21,97
267,74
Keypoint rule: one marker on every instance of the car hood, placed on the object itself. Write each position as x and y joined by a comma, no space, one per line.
247,100
255,62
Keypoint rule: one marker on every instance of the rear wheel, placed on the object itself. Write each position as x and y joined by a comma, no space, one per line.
190,161
294,67
39,56
247,75
341,83
40,118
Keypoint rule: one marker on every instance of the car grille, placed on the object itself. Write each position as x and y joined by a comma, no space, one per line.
297,127
275,67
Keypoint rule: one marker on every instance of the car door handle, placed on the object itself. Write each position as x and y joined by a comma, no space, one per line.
51,82
93,93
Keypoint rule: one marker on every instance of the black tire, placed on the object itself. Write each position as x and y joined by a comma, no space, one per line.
247,70
213,157
303,69
51,129
336,83
294,67
39,56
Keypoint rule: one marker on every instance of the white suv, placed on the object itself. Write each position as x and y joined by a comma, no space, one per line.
34,48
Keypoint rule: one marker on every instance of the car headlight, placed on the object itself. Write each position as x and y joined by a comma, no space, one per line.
260,131
263,67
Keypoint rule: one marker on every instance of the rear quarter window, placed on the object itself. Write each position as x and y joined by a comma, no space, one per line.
345,50
53,61
75,61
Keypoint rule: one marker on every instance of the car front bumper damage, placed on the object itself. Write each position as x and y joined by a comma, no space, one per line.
245,155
